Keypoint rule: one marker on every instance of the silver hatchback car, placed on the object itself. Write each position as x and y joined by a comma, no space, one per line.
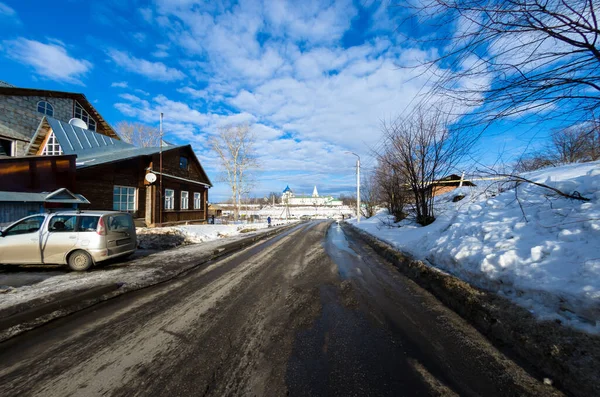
77,238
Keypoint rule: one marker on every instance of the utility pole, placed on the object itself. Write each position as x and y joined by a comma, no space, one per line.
357,186
160,191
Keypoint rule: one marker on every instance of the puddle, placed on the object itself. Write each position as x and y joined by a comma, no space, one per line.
338,249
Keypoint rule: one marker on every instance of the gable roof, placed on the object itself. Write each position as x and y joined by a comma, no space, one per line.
62,195
92,148
83,101
74,140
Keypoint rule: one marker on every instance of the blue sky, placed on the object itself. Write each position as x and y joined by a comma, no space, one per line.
314,78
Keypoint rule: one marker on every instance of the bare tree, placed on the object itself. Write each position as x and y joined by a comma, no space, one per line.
235,146
534,161
392,190
518,56
138,134
369,195
421,149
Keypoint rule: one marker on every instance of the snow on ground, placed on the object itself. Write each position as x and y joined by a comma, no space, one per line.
545,256
169,237
138,272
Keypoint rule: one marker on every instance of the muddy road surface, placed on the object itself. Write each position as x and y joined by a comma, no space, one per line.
310,312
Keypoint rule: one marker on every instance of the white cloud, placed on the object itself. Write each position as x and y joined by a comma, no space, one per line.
153,70
48,60
6,11
120,84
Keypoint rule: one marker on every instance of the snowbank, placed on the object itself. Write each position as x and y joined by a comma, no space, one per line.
170,237
535,247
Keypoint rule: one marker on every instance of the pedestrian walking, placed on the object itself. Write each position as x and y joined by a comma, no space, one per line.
269,221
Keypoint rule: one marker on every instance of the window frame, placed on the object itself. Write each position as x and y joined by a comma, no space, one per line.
54,144
126,195
186,198
197,201
46,106
85,116
169,199
187,163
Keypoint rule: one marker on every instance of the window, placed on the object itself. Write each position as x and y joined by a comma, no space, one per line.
185,200
62,223
6,147
183,163
169,199
88,223
52,147
119,223
124,198
45,108
197,201
82,114
29,225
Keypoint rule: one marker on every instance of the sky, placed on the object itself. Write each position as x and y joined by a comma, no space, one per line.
314,79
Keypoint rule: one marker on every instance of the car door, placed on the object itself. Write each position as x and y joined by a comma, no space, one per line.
20,242
59,238
120,236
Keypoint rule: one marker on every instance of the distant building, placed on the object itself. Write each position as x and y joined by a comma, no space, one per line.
288,197
448,184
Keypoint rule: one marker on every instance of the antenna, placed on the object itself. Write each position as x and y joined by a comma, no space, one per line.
76,122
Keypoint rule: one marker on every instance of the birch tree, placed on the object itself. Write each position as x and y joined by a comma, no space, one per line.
138,134
235,146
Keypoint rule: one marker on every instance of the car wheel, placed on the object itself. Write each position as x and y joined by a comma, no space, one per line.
80,261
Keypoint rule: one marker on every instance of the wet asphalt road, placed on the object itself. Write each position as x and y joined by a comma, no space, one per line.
309,312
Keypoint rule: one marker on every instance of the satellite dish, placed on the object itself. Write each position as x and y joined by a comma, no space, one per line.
78,123
150,177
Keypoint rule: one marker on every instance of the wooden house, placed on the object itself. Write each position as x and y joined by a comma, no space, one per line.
158,185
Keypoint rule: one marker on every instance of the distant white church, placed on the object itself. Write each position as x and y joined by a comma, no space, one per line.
288,197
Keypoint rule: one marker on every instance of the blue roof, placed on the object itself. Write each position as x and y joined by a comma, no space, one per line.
75,140
287,189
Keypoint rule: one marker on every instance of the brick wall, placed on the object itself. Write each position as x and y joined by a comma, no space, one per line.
19,118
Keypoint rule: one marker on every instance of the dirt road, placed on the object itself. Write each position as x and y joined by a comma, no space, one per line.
308,312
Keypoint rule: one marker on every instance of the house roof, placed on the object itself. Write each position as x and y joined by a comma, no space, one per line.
74,140
83,101
63,196
287,189
92,148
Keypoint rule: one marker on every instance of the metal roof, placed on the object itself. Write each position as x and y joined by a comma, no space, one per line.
92,159
75,140
62,195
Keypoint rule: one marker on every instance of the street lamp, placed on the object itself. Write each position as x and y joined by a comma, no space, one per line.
357,185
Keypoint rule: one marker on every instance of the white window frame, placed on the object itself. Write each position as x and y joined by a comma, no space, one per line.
197,201
82,114
185,200
169,199
131,191
52,147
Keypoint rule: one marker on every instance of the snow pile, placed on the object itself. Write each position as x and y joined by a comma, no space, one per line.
535,247
170,237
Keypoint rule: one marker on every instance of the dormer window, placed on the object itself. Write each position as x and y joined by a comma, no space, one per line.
52,147
44,107
82,114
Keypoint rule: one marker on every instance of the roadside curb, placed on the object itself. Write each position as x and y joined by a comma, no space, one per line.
570,358
45,310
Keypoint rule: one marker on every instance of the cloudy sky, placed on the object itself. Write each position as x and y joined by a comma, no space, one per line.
313,78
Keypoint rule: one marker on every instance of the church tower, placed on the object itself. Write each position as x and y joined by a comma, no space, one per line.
315,193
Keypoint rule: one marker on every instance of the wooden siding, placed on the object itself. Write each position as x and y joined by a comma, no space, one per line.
13,211
97,183
37,174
